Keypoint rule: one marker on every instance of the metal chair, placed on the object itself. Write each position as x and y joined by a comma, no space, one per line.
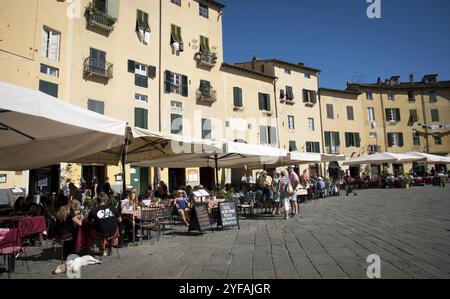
166,217
148,222
102,242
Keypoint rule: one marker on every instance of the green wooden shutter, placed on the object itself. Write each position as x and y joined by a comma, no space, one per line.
313,97
390,143
184,86
261,101
305,96
347,140
398,116
387,115
289,93
237,94
400,138
267,99
167,83
112,8
151,71
179,36
328,139
173,34
337,139
358,140
131,66
263,135
273,136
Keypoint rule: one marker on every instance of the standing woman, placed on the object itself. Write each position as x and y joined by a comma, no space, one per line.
285,196
276,193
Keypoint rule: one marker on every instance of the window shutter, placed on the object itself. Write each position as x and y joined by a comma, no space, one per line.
131,66
358,140
267,99
173,34
45,42
390,143
317,147
138,117
289,93
313,97
112,8
292,146
305,96
388,117
337,139
400,138
140,80
53,51
237,93
263,135
347,140
273,136
397,115
261,101
241,102
167,84
151,71
179,37
282,94
328,139
184,86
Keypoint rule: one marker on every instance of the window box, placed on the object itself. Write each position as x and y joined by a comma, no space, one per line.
238,109
290,102
206,59
268,113
98,68
309,104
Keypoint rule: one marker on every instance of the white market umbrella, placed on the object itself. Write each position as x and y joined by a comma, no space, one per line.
38,130
434,159
383,158
304,158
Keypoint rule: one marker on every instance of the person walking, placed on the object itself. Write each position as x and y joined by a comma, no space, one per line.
286,191
295,182
276,192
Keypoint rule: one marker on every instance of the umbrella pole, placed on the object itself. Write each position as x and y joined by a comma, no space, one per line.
217,170
123,161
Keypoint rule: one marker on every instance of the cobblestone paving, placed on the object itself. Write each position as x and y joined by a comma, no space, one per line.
332,238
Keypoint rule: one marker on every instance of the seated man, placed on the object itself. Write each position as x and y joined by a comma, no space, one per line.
106,219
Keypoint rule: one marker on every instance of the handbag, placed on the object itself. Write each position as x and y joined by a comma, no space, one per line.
289,189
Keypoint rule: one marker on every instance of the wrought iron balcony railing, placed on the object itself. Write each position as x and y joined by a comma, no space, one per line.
99,68
206,59
100,20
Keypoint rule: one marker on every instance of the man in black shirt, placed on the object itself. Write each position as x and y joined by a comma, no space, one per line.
106,219
107,187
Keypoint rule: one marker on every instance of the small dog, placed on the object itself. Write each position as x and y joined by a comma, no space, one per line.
75,265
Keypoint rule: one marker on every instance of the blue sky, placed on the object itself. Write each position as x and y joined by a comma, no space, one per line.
413,36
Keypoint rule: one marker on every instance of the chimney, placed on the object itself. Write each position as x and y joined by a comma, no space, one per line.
301,64
411,78
379,81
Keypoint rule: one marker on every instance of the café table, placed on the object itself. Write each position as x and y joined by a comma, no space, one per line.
9,238
133,216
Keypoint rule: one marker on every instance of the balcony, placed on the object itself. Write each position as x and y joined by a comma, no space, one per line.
98,68
332,150
100,20
207,60
373,149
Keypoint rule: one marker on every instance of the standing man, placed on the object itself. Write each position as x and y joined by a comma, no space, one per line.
295,181
107,187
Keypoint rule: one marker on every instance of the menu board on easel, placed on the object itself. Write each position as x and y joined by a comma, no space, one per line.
200,220
228,216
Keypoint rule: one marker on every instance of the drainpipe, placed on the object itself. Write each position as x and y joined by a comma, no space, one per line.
425,121
321,121
276,111
160,65
383,115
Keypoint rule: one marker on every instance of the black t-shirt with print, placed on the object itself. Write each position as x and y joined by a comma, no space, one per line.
105,220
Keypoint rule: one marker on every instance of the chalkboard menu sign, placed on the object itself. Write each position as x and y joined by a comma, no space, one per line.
200,220
228,216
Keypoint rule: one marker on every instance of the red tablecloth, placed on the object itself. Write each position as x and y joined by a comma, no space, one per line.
9,237
32,225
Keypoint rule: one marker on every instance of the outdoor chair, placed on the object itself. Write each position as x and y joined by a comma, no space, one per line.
166,217
149,222
112,242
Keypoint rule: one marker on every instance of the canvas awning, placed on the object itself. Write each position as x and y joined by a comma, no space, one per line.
228,155
38,130
383,158
435,159
304,158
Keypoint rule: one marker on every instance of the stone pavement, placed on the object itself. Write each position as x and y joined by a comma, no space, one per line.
332,238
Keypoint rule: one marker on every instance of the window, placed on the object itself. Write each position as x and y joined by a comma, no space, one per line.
268,135
373,135
369,95
393,115
433,97
3,178
292,146
177,2
352,140
416,138
176,83
96,106
434,115
204,11
175,35
332,139
291,122
140,97
204,45
350,113
312,147
309,96
141,118
391,96
371,113
49,70
311,125
50,44
206,129
289,93
176,106
437,140
264,102
413,116
411,96
287,71
307,76
263,68
395,139
48,88
330,111
140,75
142,21
176,124
237,97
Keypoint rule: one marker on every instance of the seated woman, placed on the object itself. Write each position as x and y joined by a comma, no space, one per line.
182,206
68,218
106,219
130,203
